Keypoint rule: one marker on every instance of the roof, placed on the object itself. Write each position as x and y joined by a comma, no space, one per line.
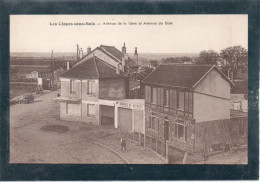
116,53
112,50
113,53
180,75
92,68
237,114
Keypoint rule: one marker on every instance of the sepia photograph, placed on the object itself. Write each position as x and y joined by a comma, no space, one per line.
128,89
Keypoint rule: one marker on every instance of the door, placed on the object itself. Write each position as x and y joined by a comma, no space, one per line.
107,115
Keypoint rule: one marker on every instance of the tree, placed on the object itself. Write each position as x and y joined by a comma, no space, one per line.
208,57
234,57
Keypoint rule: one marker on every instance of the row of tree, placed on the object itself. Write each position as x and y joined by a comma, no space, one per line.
231,58
171,60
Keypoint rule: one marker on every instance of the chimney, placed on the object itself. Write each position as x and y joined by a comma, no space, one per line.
136,55
81,54
136,51
124,49
117,69
88,50
68,65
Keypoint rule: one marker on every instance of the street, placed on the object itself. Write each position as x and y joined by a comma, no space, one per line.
38,136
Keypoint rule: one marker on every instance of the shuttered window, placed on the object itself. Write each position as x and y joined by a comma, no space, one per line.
154,95
91,87
190,102
147,94
166,98
91,110
173,99
181,101
186,102
72,108
154,123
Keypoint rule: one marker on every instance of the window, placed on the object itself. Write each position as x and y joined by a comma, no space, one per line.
91,87
147,94
72,109
166,98
181,101
186,102
190,102
179,130
72,87
154,95
173,99
154,123
91,110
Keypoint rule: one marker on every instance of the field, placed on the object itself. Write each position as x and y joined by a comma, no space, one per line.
143,58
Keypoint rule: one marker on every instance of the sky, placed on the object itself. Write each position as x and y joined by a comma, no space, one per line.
181,33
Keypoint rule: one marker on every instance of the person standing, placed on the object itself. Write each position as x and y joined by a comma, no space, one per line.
123,144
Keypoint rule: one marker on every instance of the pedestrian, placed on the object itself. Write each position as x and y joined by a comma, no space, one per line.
123,144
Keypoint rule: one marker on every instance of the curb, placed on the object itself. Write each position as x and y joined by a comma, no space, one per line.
115,152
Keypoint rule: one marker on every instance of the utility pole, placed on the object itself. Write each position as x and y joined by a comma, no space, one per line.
52,71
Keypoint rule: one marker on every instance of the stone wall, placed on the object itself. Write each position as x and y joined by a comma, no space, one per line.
187,145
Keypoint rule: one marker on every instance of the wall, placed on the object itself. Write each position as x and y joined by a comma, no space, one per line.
214,84
207,107
138,121
209,133
112,88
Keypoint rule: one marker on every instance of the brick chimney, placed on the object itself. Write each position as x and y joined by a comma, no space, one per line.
136,55
124,49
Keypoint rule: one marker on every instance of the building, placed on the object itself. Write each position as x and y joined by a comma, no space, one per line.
187,108
114,57
94,91
153,64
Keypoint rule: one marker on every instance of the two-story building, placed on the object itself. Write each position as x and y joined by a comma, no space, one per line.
186,108
94,91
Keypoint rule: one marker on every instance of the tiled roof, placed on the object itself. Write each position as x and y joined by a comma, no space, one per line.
179,75
112,50
92,68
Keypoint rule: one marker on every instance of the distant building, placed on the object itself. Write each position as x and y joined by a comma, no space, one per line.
33,74
153,64
187,109
239,96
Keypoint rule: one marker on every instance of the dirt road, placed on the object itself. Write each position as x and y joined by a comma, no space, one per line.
38,136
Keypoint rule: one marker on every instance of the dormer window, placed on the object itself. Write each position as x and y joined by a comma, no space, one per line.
166,98
91,88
